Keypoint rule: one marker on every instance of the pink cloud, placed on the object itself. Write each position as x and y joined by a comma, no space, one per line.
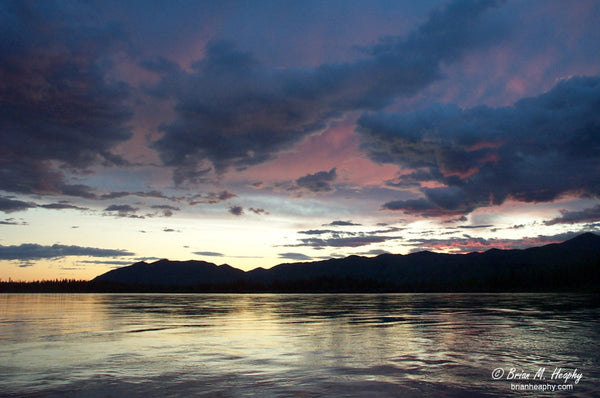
336,147
469,245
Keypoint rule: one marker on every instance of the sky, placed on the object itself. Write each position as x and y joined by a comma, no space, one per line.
264,132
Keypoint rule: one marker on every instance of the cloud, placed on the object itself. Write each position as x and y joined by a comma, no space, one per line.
115,195
348,241
106,262
11,205
62,206
233,112
573,217
318,182
475,226
192,200
295,256
375,252
61,105
141,194
341,223
166,210
321,238
317,232
166,207
32,251
468,244
258,211
534,151
12,221
211,197
122,210
209,254
438,202
236,210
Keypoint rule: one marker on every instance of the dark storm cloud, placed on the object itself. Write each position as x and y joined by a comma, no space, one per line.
318,182
573,217
414,179
10,205
234,112
78,190
438,202
534,151
59,101
31,251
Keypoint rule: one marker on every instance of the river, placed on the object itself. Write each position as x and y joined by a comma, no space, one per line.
299,345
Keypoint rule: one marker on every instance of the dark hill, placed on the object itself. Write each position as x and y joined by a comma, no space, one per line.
570,266
165,272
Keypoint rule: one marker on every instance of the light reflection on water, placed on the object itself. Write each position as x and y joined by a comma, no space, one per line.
291,345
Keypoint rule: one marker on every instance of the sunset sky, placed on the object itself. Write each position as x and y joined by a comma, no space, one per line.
254,133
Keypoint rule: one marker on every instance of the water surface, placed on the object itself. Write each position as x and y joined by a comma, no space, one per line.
113,345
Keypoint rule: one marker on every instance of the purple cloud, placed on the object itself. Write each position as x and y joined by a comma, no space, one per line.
59,105
318,182
236,210
265,110
574,217
534,151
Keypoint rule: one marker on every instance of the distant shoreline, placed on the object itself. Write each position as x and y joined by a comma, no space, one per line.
571,266
71,286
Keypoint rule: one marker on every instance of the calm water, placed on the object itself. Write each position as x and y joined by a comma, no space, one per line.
152,345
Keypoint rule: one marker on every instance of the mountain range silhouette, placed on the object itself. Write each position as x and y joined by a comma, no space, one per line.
573,265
